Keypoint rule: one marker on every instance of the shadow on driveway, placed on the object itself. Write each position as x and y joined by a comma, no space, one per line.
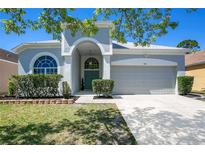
165,127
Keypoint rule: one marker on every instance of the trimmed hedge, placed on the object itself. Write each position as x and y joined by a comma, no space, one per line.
185,84
34,85
103,87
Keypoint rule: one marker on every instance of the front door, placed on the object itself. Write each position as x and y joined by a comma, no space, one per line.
91,72
89,76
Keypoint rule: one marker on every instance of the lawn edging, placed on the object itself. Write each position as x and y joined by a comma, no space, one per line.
38,101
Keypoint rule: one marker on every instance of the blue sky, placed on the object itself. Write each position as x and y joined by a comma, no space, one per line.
191,26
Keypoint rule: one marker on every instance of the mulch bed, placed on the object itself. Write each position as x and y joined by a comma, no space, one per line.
54,100
102,97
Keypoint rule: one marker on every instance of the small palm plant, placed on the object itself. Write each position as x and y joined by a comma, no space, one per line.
66,90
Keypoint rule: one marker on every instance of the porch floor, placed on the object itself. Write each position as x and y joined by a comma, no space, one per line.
87,96
84,93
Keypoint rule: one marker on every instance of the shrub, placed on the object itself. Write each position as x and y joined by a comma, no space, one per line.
66,90
12,87
36,85
102,87
185,84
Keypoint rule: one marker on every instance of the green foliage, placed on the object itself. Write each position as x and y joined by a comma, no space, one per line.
193,45
15,21
185,84
36,85
142,25
50,19
103,87
66,90
12,87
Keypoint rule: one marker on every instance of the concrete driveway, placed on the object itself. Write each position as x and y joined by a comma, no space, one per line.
164,119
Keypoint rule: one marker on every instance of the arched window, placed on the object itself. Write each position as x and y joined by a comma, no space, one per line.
45,65
91,63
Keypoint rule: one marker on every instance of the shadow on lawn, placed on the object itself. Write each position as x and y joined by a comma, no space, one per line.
94,127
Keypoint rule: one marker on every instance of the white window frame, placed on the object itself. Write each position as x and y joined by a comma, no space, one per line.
40,54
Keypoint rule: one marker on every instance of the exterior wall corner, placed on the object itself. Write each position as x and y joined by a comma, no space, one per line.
106,67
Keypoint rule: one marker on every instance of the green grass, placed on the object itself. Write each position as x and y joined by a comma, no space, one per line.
63,124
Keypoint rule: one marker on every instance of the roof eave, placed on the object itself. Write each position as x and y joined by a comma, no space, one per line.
194,64
24,46
151,51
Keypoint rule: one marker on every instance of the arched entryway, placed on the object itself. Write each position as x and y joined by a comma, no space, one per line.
86,65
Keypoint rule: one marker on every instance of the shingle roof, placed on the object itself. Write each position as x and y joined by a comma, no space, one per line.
195,58
115,44
9,56
131,45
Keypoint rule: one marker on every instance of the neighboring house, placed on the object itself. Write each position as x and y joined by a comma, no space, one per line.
8,67
195,66
80,59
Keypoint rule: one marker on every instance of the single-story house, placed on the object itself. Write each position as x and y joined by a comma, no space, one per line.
195,66
8,67
80,59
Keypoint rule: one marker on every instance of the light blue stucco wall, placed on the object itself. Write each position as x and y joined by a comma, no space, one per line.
179,59
102,36
26,56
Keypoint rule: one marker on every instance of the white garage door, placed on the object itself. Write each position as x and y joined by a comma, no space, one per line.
144,79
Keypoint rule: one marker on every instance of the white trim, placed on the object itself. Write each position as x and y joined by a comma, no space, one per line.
99,24
25,46
143,62
85,39
176,88
106,67
110,46
16,63
149,51
138,51
43,54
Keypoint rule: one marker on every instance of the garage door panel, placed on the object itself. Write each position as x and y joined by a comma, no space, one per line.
144,79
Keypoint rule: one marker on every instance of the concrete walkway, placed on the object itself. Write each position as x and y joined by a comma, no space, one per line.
89,99
160,119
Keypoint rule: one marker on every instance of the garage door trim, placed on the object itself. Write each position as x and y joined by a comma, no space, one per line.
143,62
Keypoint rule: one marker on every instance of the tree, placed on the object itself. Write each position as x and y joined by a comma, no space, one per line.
143,26
193,45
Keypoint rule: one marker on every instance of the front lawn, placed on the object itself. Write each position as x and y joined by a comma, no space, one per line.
63,124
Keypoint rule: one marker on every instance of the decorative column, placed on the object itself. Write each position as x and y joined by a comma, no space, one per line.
106,66
67,75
